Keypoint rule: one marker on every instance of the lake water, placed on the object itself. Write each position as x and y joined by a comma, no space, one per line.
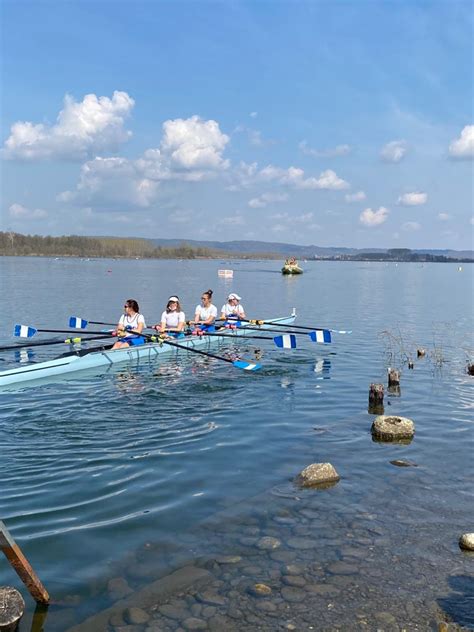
193,457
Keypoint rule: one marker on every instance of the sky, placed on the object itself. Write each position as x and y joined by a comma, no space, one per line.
333,123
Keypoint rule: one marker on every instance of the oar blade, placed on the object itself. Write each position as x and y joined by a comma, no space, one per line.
247,366
322,336
77,323
287,341
23,331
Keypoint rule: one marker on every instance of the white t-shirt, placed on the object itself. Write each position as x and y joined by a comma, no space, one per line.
172,319
132,321
228,309
203,313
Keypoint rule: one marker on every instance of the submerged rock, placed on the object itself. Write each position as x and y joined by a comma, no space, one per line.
403,463
391,428
318,474
268,543
466,541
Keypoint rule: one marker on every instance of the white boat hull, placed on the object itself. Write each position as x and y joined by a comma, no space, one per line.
74,362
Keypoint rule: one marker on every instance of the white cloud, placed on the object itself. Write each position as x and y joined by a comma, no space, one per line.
411,226
267,198
444,217
253,114
19,211
294,176
191,150
339,150
463,147
374,218
232,220
194,144
93,125
112,181
393,151
355,197
415,198
472,221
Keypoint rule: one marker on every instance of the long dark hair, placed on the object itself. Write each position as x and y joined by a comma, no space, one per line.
130,302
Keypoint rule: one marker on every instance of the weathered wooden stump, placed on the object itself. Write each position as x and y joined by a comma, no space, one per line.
393,377
420,353
376,393
391,428
12,607
470,368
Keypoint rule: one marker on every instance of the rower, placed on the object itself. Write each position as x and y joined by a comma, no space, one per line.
172,319
233,312
206,313
130,320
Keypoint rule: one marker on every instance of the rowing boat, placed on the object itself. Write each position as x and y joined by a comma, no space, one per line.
83,360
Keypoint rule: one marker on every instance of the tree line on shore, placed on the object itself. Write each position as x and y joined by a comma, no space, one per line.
16,244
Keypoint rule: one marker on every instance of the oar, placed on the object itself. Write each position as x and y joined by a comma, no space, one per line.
71,341
319,335
272,322
239,364
285,341
81,323
25,331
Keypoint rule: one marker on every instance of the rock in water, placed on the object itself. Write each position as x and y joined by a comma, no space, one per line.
466,541
318,474
387,428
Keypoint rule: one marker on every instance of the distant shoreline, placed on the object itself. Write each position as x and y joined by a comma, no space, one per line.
247,257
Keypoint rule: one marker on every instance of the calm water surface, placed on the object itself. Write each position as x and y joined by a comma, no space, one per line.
92,469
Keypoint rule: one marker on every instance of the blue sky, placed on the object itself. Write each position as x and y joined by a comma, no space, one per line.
329,123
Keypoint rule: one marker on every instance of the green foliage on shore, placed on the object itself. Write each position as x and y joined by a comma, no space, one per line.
15,244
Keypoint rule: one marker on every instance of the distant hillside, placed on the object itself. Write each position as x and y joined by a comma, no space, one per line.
302,252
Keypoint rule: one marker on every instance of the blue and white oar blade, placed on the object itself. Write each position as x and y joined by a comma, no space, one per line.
320,335
287,341
23,331
247,366
77,323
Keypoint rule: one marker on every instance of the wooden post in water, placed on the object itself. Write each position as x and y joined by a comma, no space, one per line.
376,394
22,567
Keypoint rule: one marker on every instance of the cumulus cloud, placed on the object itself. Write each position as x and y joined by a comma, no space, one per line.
194,144
191,150
95,124
374,218
463,147
339,150
112,181
411,226
393,151
267,198
18,211
355,197
294,176
415,198
444,217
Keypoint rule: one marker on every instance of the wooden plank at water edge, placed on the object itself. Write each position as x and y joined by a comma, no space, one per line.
22,567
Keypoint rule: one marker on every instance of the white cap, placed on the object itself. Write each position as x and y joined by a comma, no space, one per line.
173,298
231,296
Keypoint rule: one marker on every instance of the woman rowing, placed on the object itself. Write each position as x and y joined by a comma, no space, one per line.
232,311
172,319
130,321
206,313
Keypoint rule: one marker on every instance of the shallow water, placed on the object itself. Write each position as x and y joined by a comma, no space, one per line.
92,469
